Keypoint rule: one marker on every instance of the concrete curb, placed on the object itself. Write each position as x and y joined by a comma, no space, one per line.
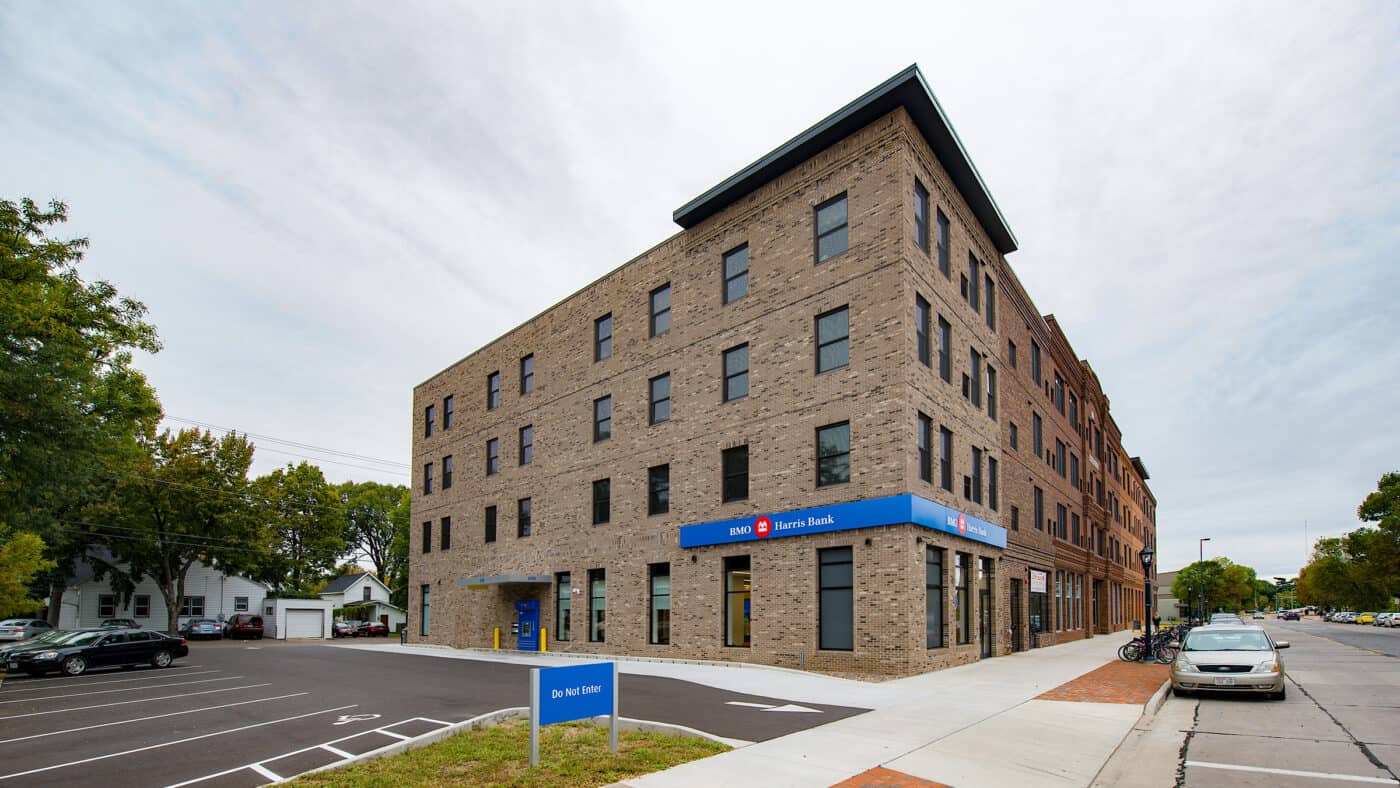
1158,698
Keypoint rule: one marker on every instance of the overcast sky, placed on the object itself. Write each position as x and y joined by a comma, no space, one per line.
323,204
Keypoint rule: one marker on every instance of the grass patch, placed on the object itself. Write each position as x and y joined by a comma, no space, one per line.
572,755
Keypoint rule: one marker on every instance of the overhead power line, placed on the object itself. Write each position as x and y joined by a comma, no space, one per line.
389,465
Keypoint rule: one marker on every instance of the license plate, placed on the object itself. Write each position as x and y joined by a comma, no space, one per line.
1224,682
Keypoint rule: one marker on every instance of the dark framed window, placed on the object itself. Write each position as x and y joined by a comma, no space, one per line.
493,456
527,444
1015,519
1037,434
602,501
424,592
658,489
920,215
660,407
974,374
493,391
736,373
1014,436
659,622
1035,362
1061,521
990,293
992,483
661,310
602,418
962,597
933,597
490,524
427,478
738,588
192,606
1074,529
141,605
925,438
945,458
736,274
1011,353
734,464
976,475
524,512
1038,499
563,602
447,412
991,392
832,235
1059,393
1074,410
834,454
444,537
527,374
602,337
974,270
107,606
447,472
1060,457
922,327
945,347
428,418
942,245
597,604
428,537
835,603
833,340
1074,469
240,603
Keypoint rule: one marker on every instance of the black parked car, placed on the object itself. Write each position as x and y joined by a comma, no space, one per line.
77,651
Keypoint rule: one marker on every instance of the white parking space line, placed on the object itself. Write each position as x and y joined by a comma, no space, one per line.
152,717
138,700
163,674
267,774
337,752
398,736
123,689
172,743
1356,778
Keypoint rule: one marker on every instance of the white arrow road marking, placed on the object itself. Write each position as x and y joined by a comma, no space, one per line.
346,719
750,705
794,707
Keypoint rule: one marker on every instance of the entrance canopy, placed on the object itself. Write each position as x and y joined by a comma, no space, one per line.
505,580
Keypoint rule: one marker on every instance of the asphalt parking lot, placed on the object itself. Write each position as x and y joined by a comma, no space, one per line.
240,713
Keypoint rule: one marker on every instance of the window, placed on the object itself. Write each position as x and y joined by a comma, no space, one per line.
527,444
141,605
602,501
493,456
976,475
523,512
423,605
834,454
1037,442
992,483
833,340
447,412
1061,521
836,611
991,292
493,391
736,373
1059,394
1074,469
1059,600
942,241
1015,437
1060,457
1074,410
365,591
736,274
428,417
945,341
447,472
1039,498
192,606
661,310
738,586
921,330
660,409
659,625
602,337
427,478
920,215
962,598
831,228
1074,528
240,604
527,374
735,471
597,604
974,297
659,489
563,601
1011,353
933,597
973,384
107,606
490,524
428,537
602,418
925,430
1015,519
945,461
444,538
1035,362
991,392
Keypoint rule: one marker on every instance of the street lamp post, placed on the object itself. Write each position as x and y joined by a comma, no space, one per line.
1201,546
1146,557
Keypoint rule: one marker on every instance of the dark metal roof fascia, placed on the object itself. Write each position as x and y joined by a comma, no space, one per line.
908,89
1141,469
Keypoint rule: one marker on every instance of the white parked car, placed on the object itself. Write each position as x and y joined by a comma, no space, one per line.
22,628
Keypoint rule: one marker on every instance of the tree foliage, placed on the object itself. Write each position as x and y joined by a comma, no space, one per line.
21,557
305,526
374,515
1218,582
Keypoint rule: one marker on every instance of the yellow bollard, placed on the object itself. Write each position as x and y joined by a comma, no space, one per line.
496,639
544,638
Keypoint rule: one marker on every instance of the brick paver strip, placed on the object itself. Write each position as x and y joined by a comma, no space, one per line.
1116,682
880,777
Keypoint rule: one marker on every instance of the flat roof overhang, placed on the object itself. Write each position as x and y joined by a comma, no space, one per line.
505,580
906,89
1140,468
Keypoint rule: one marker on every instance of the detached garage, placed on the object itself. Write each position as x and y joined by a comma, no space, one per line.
297,618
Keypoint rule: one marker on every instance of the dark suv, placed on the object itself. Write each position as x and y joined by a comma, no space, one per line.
244,625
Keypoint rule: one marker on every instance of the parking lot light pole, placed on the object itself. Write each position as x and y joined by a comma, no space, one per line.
1146,558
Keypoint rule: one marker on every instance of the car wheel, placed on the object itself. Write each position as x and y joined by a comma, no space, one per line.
1280,695
162,659
257,636
1178,692
74,665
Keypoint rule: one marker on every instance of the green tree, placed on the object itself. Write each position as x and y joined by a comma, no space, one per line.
1199,584
21,557
305,524
370,509
1382,552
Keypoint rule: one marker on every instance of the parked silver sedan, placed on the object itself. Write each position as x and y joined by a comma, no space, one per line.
22,628
1229,658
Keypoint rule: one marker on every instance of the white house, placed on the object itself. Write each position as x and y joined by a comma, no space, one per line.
365,589
209,593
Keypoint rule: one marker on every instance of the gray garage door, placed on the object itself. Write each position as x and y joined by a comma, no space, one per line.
305,623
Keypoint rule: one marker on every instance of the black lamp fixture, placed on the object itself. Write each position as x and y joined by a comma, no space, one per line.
1146,557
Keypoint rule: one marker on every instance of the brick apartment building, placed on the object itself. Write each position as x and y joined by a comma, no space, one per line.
822,426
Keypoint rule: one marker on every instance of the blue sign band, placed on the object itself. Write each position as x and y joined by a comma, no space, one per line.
892,510
575,692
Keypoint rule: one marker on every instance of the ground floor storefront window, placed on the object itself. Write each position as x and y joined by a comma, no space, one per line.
933,598
962,602
659,627
563,583
738,581
836,613
597,604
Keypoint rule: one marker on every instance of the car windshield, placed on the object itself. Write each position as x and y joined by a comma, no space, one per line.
1244,640
81,638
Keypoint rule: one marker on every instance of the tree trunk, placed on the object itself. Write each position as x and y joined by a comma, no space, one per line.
55,611
172,607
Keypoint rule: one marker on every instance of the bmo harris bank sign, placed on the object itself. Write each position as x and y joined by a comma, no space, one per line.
891,510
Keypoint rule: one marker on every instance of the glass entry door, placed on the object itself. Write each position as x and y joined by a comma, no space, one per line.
985,613
1017,642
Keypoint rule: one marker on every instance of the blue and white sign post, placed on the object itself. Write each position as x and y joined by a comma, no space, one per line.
572,693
